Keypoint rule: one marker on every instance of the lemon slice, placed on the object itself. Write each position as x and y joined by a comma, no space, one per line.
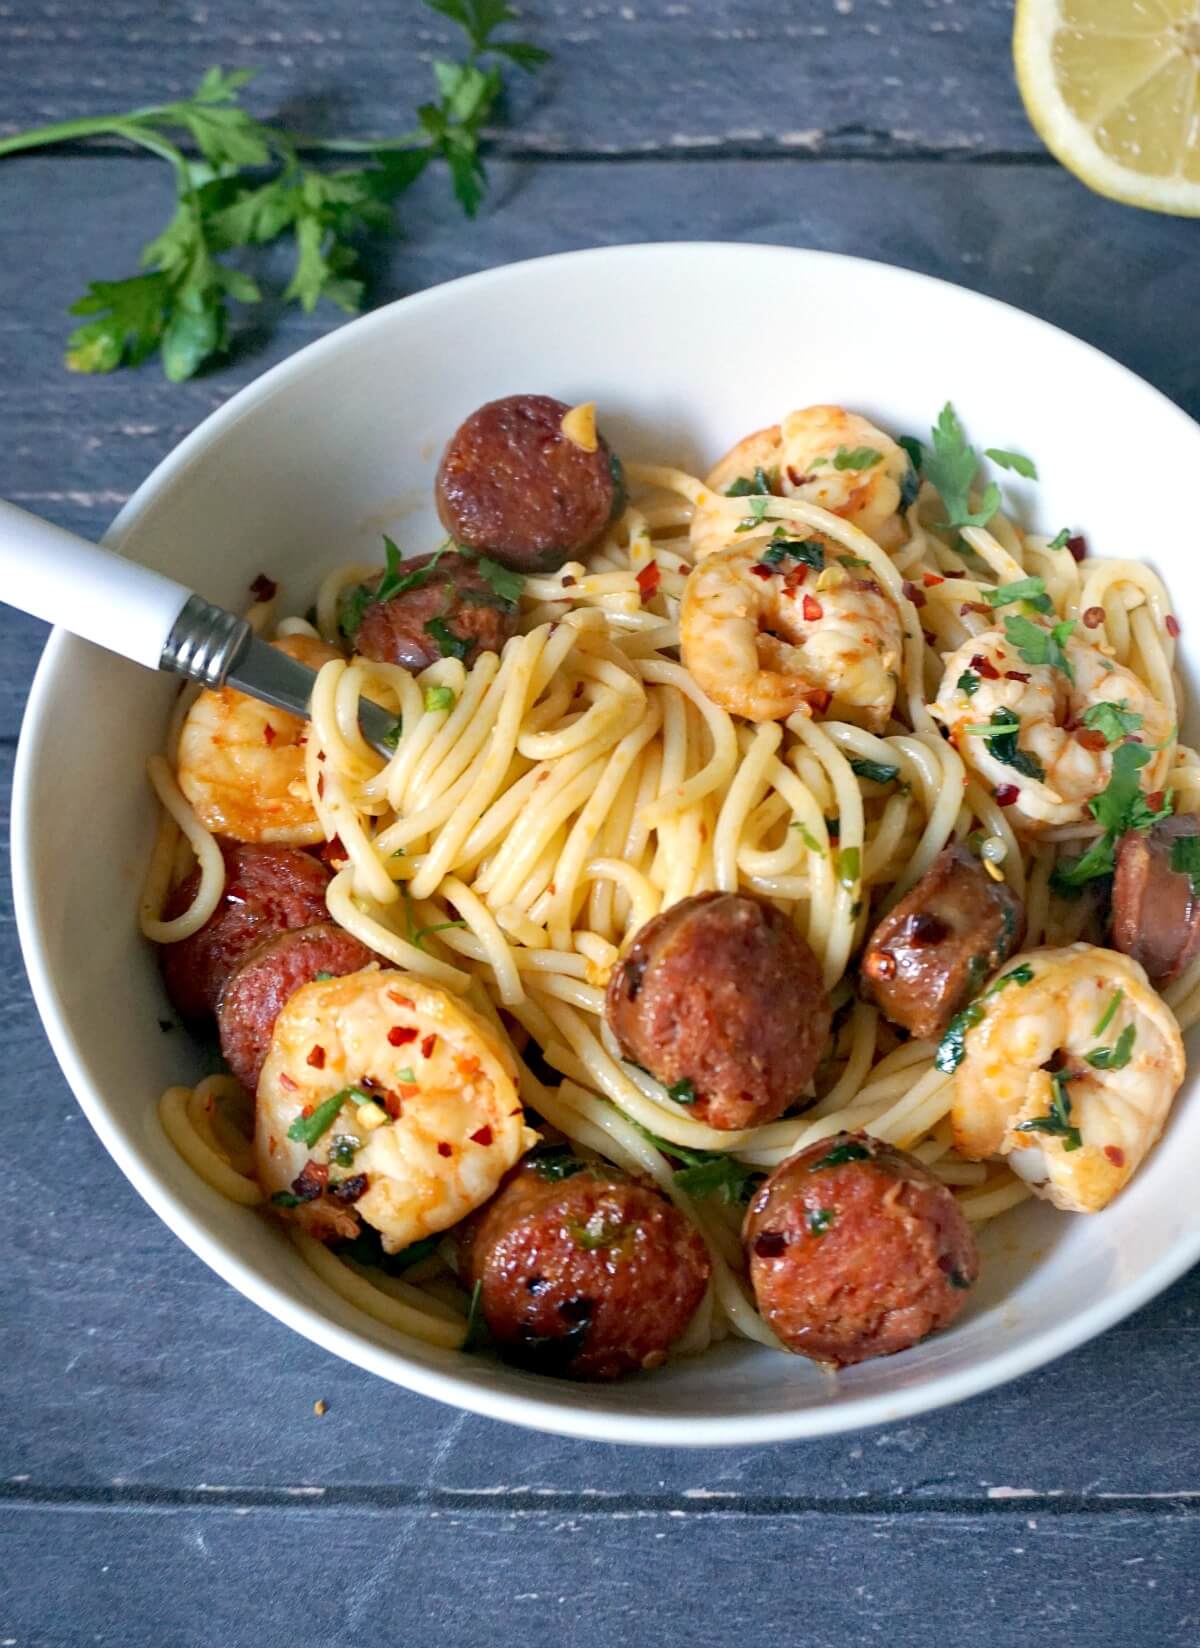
1113,88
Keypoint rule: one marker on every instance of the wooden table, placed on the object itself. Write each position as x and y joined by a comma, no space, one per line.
165,1480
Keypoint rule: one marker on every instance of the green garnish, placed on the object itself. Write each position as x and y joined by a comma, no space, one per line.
860,457
1109,1013
508,585
968,682
1059,540
848,866
1058,1122
1012,460
1120,806
308,1129
951,467
683,1092
1032,590
879,772
1185,859
851,1151
953,1045
1113,720
554,1162
1041,646
449,644
440,698
248,187
1117,1056
743,488
758,508
820,1220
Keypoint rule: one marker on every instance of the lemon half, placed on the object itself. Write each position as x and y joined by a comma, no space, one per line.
1113,88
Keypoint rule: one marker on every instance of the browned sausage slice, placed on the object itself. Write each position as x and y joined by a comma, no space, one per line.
253,998
583,1272
721,999
1155,908
267,891
928,957
856,1250
513,486
449,610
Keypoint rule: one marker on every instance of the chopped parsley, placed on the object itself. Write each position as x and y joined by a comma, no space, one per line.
1118,1055
758,508
968,682
508,585
879,772
1120,806
851,1151
820,1219
683,1092
1012,460
449,644
745,488
308,1129
953,1046
554,1162
1032,590
1185,859
860,457
1000,735
1041,646
951,467
1113,720
439,698
1109,1013
1058,1122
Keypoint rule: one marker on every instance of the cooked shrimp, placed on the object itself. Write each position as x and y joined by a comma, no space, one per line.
429,1119
765,638
988,681
826,456
1069,1073
241,763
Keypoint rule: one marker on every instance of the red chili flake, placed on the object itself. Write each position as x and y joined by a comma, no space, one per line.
915,595
1005,794
445,1149
482,1135
930,579
401,1001
400,1035
820,699
985,667
1093,618
1015,675
569,579
320,784
1172,626
285,1081
316,1057
761,571
1078,546
648,580
1115,1154
1155,800
813,609
973,606
1091,739
264,588
269,733
427,1046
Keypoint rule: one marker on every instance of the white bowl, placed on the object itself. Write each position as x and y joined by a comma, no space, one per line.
685,347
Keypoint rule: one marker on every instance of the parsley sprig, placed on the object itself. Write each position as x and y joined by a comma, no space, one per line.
240,182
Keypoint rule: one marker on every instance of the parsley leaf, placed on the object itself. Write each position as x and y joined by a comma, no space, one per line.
1185,859
1012,460
1041,646
861,457
951,467
1113,720
1058,1122
879,772
1117,1056
1032,590
218,153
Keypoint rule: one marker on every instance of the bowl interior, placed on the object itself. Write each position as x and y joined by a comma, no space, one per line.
685,348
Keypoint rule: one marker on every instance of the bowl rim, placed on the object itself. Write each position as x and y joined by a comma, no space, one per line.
555,1412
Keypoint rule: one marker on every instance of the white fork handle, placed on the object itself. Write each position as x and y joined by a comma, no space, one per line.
94,593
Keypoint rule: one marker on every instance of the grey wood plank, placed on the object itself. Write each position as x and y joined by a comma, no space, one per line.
319,1575
877,76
